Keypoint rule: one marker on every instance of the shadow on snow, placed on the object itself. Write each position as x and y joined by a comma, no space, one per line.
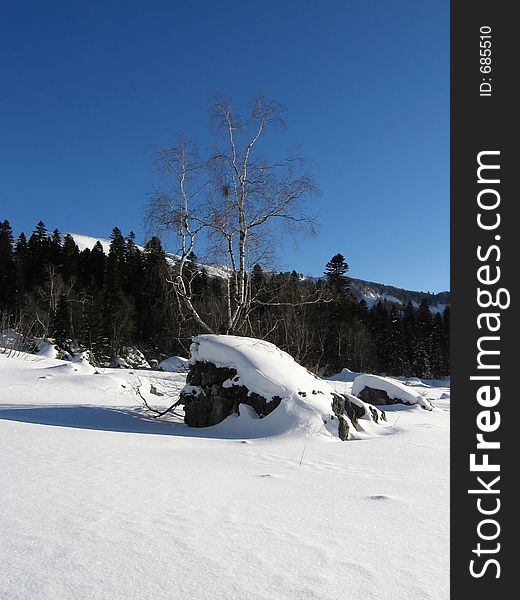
99,418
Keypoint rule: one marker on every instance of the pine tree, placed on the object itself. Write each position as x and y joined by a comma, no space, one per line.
335,271
130,241
201,283
422,341
155,312
114,305
70,258
380,333
55,248
115,273
409,338
7,267
97,260
424,321
115,265
92,334
38,255
135,271
421,361
22,262
395,350
438,362
61,328
257,278
446,337
362,310
118,246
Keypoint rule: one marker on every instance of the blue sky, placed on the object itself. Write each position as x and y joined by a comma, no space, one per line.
88,89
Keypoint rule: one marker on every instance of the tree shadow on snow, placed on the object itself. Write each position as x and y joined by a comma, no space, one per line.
100,418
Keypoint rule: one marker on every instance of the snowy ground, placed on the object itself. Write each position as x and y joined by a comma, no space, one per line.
101,502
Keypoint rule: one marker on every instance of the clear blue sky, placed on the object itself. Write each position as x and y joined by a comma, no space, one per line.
87,89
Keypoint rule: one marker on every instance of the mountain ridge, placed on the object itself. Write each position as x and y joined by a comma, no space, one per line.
370,291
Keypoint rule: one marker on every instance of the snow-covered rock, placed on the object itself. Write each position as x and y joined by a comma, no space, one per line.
412,381
47,348
229,372
11,339
130,358
84,362
174,364
392,391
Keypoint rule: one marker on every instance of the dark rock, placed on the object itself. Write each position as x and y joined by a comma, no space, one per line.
357,410
211,403
201,411
343,429
338,405
342,406
374,414
206,373
377,397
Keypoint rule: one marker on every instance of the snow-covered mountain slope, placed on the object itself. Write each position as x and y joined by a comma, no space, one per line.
369,291
372,293
101,501
85,241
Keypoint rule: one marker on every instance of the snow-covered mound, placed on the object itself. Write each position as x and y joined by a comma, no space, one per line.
410,380
344,375
305,401
174,364
82,362
130,358
394,389
46,348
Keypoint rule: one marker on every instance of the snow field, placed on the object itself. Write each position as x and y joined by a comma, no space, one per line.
101,501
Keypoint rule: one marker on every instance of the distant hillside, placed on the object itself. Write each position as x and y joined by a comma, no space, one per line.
367,290
115,300
373,292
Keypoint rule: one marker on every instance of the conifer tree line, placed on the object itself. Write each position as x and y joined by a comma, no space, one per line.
89,300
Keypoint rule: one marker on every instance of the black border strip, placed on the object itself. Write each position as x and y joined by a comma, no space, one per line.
483,123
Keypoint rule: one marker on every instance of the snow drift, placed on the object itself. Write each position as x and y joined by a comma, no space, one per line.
173,364
344,375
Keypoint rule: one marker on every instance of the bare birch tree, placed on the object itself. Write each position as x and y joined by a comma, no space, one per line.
231,203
